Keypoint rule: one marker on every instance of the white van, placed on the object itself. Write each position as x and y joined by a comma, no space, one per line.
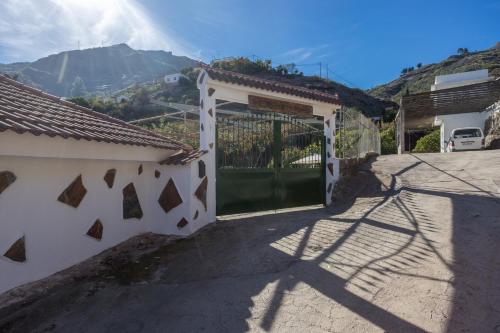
466,138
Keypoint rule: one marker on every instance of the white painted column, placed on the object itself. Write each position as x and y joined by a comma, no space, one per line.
332,163
207,139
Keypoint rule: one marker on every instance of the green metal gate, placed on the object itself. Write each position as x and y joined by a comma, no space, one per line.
268,161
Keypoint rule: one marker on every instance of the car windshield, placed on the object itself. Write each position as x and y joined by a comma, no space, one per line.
467,133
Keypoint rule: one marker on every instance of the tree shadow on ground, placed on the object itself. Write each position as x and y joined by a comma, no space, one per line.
266,272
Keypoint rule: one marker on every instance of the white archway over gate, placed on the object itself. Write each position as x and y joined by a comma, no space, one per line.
216,84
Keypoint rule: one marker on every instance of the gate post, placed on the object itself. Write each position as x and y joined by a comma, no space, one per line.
207,139
332,163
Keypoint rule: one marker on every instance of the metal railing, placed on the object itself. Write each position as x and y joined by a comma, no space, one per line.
356,134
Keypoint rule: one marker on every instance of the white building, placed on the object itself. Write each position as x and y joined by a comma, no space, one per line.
74,182
172,78
454,101
460,79
449,122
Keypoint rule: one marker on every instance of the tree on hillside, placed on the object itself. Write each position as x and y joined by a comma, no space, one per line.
78,88
247,66
141,97
244,65
80,101
463,51
419,65
288,69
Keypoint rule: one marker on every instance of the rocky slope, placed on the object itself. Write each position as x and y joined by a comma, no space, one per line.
421,79
102,69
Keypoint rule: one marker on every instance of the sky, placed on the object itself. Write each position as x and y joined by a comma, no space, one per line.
362,43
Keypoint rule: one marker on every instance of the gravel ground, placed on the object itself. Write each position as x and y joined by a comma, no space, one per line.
412,247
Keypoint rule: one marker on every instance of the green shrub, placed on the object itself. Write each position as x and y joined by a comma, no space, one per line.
388,140
429,143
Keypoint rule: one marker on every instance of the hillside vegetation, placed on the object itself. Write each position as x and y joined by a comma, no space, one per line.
350,97
419,79
96,70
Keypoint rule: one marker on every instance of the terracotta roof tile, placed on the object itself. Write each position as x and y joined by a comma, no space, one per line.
255,82
183,157
25,109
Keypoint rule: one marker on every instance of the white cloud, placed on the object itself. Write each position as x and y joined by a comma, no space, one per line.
302,53
296,55
32,29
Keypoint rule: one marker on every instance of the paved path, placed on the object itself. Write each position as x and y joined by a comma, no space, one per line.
418,250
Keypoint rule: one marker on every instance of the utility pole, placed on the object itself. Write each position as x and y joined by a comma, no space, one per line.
320,69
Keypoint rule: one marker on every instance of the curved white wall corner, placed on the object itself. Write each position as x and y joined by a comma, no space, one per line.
55,233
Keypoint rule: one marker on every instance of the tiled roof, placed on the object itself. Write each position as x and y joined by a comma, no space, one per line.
183,157
255,82
25,109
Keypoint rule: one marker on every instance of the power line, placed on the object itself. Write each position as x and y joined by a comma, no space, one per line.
353,85
319,64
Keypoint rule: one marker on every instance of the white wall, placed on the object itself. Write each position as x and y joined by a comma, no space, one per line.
460,79
448,123
55,233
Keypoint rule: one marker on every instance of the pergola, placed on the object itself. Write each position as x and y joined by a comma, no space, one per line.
418,111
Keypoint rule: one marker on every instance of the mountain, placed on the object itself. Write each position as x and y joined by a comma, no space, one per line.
101,69
421,79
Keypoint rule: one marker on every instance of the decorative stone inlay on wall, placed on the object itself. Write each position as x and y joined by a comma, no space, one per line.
328,140
327,123
201,192
201,78
157,174
330,168
17,251
139,171
201,169
328,154
329,188
74,193
202,127
95,230
210,112
211,145
131,206
182,223
6,178
109,177
169,198
201,104
211,91
195,215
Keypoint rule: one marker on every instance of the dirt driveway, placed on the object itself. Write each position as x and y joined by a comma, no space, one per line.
418,250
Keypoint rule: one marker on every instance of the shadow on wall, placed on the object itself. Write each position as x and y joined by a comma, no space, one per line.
240,276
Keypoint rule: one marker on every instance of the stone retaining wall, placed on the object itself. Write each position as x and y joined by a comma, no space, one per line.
492,127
